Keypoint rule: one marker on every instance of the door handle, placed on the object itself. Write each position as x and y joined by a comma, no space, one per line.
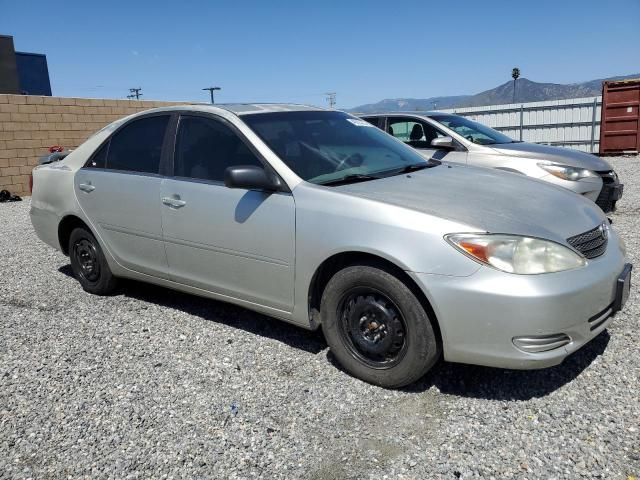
173,202
86,187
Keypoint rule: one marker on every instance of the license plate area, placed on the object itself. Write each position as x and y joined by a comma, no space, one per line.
623,288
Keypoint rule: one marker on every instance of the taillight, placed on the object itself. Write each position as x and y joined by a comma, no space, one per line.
31,183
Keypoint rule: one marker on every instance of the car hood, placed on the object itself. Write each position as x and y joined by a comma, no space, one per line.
486,200
564,156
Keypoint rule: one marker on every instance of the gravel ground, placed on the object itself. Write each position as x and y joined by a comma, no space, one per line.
152,382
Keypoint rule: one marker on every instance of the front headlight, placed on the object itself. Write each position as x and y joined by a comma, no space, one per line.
516,254
566,172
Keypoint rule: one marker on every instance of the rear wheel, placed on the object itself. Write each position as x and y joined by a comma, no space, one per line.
89,264
376,327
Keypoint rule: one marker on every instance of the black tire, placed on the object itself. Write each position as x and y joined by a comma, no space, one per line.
89,264
376,327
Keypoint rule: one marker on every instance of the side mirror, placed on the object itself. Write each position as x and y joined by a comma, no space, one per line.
250,177
445,143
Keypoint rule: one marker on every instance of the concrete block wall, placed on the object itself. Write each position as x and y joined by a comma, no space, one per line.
29,125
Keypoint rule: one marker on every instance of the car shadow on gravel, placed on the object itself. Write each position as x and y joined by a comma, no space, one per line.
500,384
220,312
474,381
451,378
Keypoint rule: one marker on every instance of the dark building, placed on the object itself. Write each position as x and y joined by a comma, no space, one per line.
22,73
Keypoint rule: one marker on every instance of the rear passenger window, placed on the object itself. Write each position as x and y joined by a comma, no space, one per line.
205,148
138,146
375,121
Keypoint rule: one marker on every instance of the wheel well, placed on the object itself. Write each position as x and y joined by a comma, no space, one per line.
334,264
66,226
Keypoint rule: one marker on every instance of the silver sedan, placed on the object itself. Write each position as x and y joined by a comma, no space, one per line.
458,139
319,219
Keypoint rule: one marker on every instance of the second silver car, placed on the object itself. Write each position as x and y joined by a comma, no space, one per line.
458,139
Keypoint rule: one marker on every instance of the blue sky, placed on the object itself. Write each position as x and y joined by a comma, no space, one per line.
295,51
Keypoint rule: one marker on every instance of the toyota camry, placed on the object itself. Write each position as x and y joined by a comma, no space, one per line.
318,218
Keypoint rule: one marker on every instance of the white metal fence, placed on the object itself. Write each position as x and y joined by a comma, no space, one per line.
573,123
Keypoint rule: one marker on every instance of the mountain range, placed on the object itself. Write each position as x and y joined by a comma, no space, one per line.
526,91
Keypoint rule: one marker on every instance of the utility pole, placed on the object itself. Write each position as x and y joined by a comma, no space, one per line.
211,90
135,93
515,74
331,98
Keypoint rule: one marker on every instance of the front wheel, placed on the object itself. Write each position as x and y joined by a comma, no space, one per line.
89,264
376,327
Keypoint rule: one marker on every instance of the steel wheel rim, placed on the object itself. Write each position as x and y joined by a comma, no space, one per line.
373,327
86,255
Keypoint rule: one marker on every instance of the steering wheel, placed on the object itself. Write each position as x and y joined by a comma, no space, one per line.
470,138
353,160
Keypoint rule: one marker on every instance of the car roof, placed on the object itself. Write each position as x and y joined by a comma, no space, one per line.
245,108
428,113
238,109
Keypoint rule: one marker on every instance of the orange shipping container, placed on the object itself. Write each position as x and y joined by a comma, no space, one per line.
620,121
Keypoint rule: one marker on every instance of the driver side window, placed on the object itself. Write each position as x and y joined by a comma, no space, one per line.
205,148
413,132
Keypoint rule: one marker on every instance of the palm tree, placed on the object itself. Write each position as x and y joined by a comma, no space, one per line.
515,73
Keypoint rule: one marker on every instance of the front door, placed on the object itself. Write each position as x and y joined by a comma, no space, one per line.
234,242
419,134
119,191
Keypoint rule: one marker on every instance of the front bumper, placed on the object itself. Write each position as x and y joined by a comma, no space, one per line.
481,315
605,189
588,187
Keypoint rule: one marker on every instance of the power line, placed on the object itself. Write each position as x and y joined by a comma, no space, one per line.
135,93
211,90
331,98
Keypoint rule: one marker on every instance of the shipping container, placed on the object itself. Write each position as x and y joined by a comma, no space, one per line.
620,121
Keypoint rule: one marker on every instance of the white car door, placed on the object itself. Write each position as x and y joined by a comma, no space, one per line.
119,192
234,242
419,134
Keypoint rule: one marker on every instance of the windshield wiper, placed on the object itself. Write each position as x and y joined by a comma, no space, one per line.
414,167
361,177
352,178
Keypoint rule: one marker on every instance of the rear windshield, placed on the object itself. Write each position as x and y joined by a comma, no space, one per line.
322,146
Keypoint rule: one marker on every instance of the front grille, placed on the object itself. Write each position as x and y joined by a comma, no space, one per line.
606,200
608,176
592,243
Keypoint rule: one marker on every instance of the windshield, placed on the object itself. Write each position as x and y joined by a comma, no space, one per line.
473,131
329,147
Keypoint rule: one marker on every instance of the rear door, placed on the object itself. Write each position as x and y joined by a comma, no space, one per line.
234,242
119,191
